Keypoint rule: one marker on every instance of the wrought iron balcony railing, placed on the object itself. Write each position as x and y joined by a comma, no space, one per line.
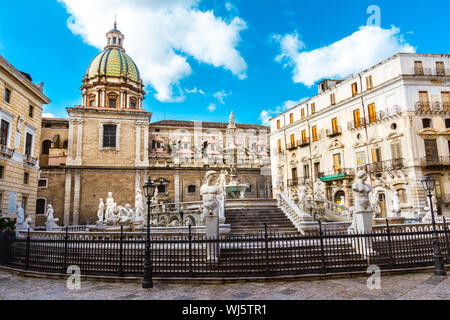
337,173
426,107
334,132
436,161
303,143
290,146
394,164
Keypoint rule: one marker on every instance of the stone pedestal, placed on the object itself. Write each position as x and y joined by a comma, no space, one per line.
212,231
362,224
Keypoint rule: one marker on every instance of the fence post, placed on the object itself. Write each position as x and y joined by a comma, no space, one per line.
322,248
121,252
391,257
447,258
27,250
191,273
66,239
266,238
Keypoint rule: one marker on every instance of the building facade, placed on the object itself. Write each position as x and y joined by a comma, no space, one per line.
108,144
21,104
392,120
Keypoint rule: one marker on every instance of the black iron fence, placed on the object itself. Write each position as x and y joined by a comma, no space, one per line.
262,255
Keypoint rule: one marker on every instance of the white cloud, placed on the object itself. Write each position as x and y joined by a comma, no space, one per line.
160,35
212,107
221,95
266,115
362,49
48,115
195,91
231,8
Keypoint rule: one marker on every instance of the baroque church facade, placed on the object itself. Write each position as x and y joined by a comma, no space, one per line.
108,144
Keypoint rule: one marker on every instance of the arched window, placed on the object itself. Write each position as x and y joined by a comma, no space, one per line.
40,206
46,145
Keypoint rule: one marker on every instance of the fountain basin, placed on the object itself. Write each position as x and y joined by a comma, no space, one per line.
236,192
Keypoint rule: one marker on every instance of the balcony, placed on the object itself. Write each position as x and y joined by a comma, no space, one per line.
303,143
356,124
7,152
29,160
292,182
387,165
436,162
338,174
291,146
334,132
440,72
435,107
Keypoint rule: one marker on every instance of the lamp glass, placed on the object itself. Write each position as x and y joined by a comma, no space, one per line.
149,189
428,183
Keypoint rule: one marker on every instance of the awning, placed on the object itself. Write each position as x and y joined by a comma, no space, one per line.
333,177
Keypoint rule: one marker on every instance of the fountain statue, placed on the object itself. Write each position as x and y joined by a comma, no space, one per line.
139,206
362,211
22,224
51,225
396,211
318,188
101,212
303,203
210,193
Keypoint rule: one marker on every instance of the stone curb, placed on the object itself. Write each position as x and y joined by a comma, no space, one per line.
305,277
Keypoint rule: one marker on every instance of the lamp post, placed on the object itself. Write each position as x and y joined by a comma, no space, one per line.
428,184
149,191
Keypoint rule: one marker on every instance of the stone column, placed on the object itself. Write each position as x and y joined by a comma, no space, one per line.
138,143
98,98
137,181
67,193
176,182
76,198
70,145
104,98
79,140
128,101
146,162
121,100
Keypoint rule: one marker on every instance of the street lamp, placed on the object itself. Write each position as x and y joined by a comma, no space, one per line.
149,191
428,185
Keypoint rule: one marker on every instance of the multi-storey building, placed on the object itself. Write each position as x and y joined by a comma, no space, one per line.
21,104
108,144
392,120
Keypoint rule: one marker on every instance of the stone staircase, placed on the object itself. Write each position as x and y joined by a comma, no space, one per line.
250,221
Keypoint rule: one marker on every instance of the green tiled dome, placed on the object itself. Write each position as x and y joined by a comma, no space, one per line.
113,62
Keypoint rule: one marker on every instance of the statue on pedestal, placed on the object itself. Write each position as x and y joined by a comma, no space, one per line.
362,190
396,211
51,225
110,207
210,195
139,205
280,179
101,211
375,203
231,123
304,204
319,190
22,224
222,181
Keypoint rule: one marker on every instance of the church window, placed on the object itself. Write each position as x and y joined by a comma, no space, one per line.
109,135
112,103
192,188
162,189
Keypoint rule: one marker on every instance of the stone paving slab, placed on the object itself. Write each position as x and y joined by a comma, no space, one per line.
422,286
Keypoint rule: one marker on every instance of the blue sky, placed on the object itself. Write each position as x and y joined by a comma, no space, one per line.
202,59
